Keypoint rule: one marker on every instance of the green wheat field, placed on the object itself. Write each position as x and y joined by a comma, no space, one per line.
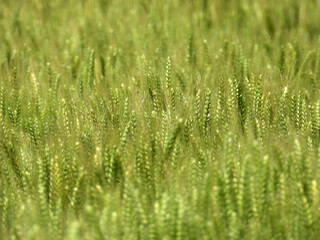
159,119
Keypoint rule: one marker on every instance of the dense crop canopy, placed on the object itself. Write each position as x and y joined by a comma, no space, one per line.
159,119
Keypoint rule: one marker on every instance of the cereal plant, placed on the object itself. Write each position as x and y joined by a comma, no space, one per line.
159,120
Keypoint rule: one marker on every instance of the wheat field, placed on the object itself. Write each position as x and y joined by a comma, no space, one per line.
159,120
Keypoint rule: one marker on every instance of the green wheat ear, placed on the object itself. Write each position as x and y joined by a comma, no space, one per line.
198,110
2,104
282,61
173,102
191,57
282,111
206,113
168,73
207,57
91,69
317,65
172,139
